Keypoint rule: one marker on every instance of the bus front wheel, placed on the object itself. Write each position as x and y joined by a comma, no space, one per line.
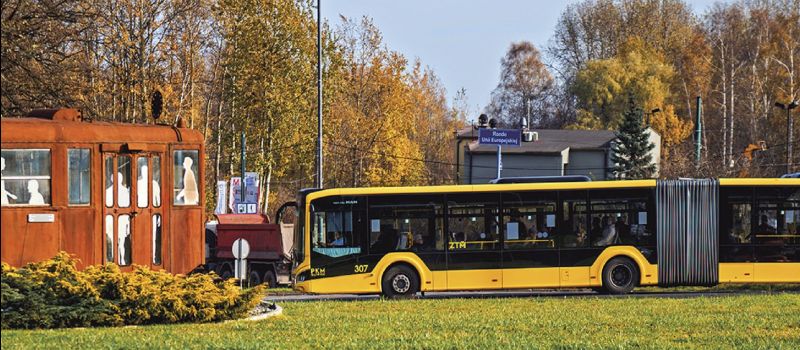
620,276
400,282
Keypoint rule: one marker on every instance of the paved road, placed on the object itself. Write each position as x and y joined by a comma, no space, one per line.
509,294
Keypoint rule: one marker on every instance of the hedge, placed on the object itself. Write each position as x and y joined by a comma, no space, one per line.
55,294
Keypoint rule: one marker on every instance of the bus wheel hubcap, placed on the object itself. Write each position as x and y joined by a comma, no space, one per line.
620,275
401,283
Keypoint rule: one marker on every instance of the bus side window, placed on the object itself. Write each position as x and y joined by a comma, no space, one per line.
406,222
736,224
473,222
574,227
775,233
529,220
621,217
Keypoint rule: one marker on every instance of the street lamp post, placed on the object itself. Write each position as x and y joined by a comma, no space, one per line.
651,114
319,95
789,126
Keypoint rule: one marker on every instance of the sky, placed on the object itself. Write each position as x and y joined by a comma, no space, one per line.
461,41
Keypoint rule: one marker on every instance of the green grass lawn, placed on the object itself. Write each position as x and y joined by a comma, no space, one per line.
720,321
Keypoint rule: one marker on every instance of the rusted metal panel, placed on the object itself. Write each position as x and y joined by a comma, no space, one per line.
25,241
187,242
78,226
43,130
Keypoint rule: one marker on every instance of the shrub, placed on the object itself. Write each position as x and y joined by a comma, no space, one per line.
54,294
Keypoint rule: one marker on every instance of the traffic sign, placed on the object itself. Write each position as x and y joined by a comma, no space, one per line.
241,248
500,137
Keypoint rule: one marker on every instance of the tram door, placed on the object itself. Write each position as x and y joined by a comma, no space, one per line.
132,215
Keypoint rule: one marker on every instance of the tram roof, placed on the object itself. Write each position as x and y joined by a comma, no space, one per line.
42,130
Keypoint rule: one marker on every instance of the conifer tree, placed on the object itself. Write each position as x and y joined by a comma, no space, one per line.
631,152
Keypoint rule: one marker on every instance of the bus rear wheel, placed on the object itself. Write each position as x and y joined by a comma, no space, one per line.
400,282
620,276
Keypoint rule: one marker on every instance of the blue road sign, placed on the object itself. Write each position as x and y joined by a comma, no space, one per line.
500,137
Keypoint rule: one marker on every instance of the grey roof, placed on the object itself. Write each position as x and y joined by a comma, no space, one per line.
550,141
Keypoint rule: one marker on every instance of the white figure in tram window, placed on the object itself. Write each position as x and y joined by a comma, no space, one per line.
123,239
189,192
36,197
141,188
156,194
5,194
123,193
110,194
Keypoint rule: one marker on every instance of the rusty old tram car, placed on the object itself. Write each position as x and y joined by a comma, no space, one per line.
105,192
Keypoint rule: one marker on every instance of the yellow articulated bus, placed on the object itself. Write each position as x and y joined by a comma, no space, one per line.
607,235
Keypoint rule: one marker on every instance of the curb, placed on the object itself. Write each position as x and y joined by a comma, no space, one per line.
274,310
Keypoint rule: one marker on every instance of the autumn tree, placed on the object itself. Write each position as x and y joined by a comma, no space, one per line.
41,50
524,87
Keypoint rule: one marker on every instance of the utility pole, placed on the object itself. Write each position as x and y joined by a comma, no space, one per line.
244,158
698,132
789,126
318,182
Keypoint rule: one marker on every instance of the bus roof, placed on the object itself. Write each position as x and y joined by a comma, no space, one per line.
614,184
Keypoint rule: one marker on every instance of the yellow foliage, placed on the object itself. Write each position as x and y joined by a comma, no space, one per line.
54,294
604,87
673,129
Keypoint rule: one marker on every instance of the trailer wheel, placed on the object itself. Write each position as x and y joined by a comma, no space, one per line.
254,279
270,280
226,274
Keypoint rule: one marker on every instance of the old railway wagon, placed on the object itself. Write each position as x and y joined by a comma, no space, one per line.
105,192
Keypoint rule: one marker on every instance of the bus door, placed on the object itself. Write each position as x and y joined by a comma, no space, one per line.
410,224
530,254
119,212
473,247
149,228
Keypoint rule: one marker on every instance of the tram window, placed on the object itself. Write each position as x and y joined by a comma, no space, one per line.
776,230
473,222
529,220
156,239
109,182
141,182
109,228
25,177
185,188
124,181
124,240
156,176
79,176
336,226
405,223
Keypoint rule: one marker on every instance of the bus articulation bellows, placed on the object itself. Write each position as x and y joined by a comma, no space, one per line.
610,235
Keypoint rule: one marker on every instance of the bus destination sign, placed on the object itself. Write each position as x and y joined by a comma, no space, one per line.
501,137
